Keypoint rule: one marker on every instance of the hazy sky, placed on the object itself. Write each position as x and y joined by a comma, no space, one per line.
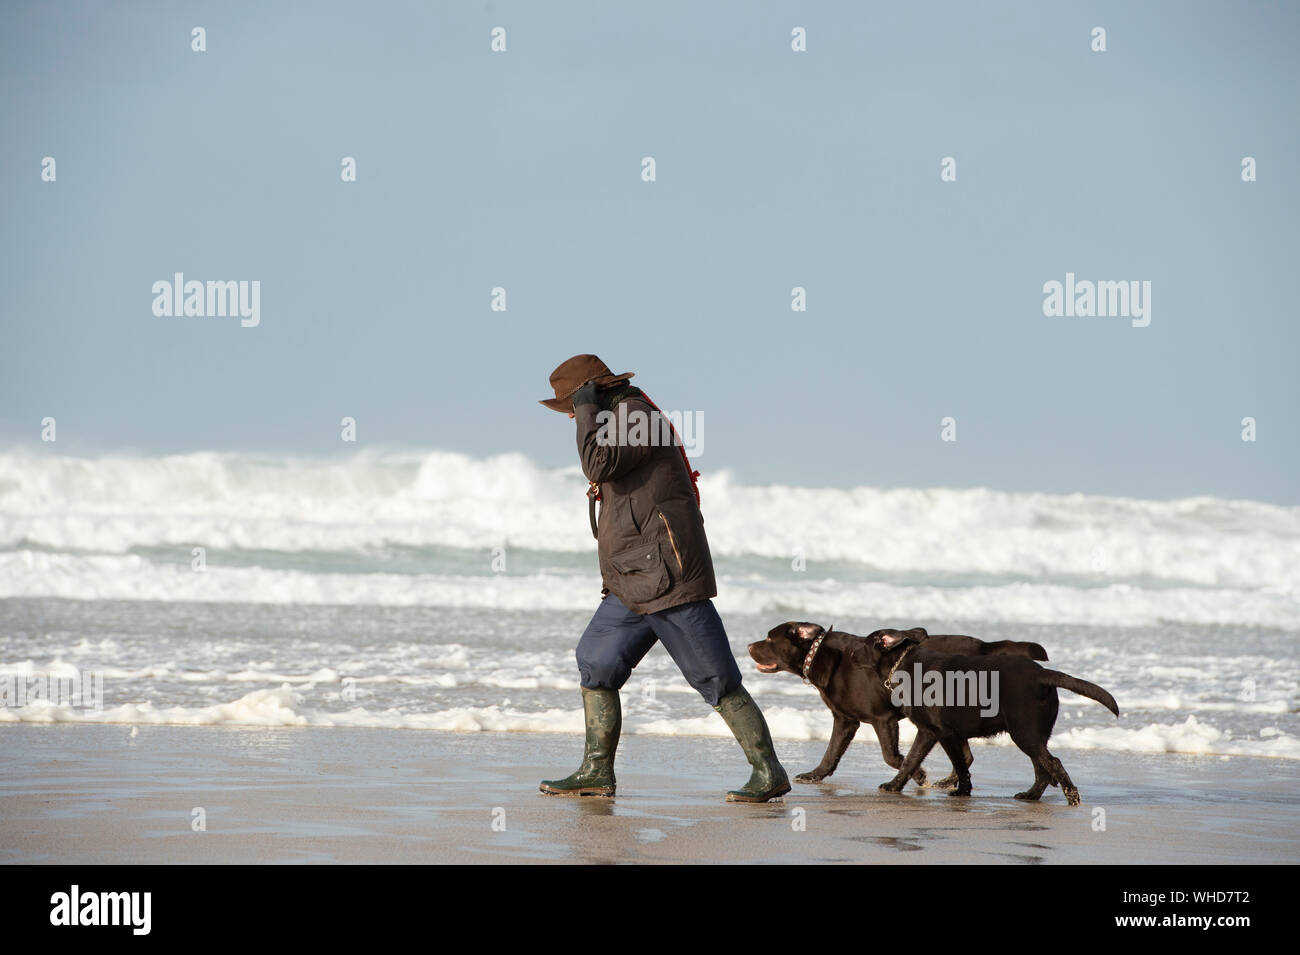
775,169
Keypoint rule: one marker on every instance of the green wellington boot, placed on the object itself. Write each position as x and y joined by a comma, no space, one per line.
750,729
595,777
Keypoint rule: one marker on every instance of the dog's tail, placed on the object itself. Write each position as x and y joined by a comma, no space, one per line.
1016,648
1082,687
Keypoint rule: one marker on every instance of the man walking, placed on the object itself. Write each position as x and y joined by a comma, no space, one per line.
657,578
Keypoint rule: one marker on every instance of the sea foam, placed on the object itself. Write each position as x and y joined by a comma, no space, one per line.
284,706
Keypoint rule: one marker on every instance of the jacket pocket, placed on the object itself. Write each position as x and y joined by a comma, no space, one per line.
672,541
640,574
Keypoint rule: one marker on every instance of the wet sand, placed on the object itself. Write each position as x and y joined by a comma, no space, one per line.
96,794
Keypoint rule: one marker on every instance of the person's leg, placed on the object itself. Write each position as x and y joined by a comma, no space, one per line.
613,643
695,638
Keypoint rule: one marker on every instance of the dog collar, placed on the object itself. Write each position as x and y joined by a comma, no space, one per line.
894,668
808,660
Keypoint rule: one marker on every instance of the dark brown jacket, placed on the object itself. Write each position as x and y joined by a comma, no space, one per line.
651,543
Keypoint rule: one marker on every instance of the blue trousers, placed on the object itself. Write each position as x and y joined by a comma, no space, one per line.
617,639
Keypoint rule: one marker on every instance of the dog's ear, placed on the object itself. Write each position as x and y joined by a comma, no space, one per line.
918,633
808,631
890,639
781,630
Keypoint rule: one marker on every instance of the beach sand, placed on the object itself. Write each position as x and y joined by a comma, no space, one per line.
96,794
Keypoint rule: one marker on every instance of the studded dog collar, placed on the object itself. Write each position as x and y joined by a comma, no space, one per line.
808,660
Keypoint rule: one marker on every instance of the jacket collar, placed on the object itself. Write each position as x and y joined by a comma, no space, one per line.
609,399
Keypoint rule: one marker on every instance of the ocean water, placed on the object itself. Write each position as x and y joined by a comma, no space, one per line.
437,591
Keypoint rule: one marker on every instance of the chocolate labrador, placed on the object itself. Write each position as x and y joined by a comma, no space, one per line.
953,698
853,694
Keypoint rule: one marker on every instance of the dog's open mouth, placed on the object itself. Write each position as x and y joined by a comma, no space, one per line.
767,667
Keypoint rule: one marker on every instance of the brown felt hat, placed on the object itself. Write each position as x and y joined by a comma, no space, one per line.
575,373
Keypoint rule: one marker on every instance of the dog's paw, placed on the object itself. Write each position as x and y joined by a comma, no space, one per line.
1072,797
920,778
960,791
891,787
948,782
811,777
1027,796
